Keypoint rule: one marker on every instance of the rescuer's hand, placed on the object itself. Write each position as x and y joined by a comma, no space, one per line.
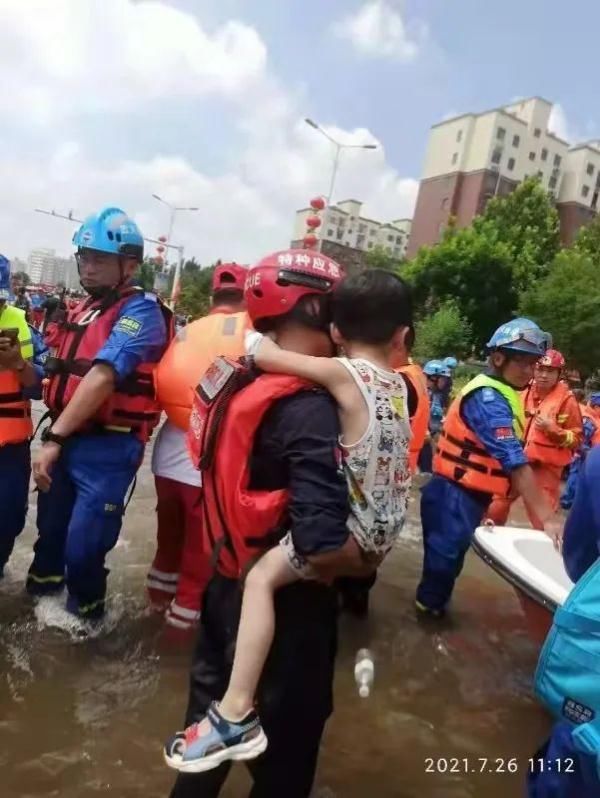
43,462
10,354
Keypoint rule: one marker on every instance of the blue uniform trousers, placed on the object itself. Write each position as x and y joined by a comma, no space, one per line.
449,516
80,518
566,773
15,470
568,497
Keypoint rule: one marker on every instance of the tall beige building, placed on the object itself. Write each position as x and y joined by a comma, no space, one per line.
347,235
474,157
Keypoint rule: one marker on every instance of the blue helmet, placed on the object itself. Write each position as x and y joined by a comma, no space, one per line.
434,368
450,362
594,400
112,231
520,335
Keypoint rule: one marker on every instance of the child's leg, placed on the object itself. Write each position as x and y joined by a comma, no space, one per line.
256,631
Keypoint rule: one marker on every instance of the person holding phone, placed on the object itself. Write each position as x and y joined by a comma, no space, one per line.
17,374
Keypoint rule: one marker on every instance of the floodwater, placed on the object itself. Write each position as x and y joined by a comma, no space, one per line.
81,718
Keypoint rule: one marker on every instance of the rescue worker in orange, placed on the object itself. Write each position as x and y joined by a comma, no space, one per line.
181,567
420,419
553,433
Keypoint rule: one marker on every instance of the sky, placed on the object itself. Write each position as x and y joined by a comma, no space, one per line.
105,102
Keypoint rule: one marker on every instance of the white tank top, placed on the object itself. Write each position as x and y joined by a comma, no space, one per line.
376,466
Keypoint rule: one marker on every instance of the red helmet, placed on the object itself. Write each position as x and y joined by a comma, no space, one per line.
553,359
276,283
229,275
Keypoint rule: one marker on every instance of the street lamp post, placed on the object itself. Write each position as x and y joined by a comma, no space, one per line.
339,146
174,209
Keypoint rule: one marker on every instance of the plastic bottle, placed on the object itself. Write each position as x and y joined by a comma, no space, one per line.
364,672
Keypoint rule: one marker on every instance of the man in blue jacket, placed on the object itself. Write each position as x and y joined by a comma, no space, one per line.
581,548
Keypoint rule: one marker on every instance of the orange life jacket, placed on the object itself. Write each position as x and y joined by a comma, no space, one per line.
15,410
191,352
75,342
462,457
538,447
228,408
420,419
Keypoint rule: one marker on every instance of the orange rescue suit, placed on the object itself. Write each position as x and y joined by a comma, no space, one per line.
420,419
556,445
191,352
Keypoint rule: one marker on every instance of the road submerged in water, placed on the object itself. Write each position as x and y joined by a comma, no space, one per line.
81,718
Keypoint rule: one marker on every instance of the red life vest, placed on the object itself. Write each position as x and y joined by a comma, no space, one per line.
228,408
75,341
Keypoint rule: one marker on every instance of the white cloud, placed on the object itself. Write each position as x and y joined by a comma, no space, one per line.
558,123
246,210
378,30
71,55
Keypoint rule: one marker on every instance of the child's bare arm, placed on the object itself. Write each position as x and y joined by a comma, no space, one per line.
324,371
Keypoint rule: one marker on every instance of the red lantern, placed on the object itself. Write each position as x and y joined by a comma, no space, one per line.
310,241
313,222
160,248
317,203
162,239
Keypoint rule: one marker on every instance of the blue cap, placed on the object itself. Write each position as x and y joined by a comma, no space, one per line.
434,368
111,231
594,399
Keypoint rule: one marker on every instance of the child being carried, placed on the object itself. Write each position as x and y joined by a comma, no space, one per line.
372,316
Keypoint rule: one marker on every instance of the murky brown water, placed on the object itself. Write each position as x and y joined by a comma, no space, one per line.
85,718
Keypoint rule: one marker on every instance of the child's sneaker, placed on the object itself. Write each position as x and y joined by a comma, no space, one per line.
196,750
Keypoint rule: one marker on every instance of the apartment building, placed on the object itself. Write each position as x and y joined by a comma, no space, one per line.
347,235
473,157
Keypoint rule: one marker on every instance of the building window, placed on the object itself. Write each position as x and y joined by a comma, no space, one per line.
557,160
497,155
362,228
540,175
373,232
590,169
390,238
459,136
333,220
501,133
360,241
537,132
511,164
516,140
398,239
585,190
544,155
330,233
340,235
349,232
552,182
454,158
532,156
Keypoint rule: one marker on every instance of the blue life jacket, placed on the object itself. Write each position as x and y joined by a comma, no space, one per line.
567,679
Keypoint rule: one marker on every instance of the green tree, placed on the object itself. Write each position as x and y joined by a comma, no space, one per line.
144,275
587,242
194,299
445,332
527,223
379,258
471,269
567,304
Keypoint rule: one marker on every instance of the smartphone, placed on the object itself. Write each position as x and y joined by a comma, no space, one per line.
12,334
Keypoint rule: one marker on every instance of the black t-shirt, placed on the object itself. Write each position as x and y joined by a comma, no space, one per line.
297,447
